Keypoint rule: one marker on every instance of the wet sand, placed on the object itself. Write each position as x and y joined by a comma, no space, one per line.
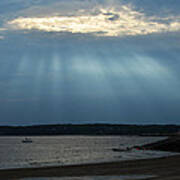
166,168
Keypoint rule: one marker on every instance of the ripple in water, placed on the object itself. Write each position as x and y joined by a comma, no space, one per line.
66,150
133,177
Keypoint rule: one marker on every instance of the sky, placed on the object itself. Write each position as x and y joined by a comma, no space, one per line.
89,61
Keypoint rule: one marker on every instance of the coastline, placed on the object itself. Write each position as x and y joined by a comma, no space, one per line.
164,168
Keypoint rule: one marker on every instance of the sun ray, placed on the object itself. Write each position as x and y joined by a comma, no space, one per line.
20,71
55,75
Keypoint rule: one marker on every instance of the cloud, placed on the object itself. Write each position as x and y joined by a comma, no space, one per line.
18,99
2,29
124,21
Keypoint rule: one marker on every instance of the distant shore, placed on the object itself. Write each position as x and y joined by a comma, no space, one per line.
90,129
166,168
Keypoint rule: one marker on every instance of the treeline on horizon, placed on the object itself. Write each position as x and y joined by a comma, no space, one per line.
91,129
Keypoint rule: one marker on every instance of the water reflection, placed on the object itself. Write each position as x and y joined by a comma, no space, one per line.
132,177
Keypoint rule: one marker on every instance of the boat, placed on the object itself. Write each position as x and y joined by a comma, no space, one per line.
27,140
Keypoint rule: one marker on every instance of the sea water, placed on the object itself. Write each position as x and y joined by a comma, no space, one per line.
67,150
133,177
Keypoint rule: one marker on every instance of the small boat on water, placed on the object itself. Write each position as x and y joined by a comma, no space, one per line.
27,140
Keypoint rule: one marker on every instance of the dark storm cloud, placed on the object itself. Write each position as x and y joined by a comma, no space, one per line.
112,16
48,77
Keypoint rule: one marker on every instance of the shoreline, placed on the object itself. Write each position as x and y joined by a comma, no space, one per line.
166,168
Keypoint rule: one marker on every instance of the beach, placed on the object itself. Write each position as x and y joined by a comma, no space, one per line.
166,168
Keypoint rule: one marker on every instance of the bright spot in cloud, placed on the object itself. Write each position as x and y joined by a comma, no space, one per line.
2,29
105,22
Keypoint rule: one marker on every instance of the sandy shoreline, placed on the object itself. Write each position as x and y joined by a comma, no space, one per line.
166,168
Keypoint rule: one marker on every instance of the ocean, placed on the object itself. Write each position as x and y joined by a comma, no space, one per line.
68,150
132,177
